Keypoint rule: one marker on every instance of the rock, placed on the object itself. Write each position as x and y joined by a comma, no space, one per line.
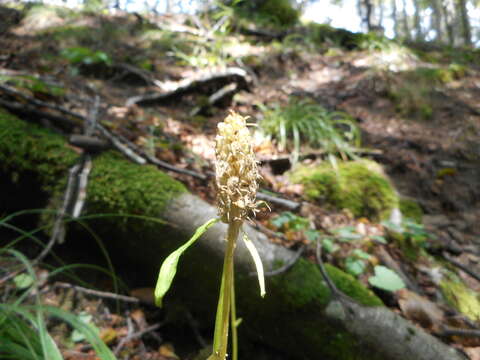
436,221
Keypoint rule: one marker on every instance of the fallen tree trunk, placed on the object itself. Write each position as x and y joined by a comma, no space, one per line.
298,315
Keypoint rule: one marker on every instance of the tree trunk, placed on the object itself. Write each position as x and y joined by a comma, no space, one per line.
298,315
396,30
406,27
416,21
448,17
437,20
465,23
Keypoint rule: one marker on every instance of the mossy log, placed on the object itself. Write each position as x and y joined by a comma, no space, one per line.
298,315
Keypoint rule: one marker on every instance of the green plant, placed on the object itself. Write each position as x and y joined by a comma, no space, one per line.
81,55
303,121
24,317
236,180
23,326
386,279
33,84
374,42
410,236
269,13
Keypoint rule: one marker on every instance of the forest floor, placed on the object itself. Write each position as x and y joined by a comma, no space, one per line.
425,132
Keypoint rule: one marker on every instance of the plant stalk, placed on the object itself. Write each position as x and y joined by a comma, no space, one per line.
224,303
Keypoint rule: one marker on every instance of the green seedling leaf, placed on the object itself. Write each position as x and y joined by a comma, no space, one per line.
361,254
23,281
354,266
347,234
386,279
169,266
392,226
312,235
258,263
379,239
86,319
329,245
282,219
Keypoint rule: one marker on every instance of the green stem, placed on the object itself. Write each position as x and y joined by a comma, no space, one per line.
224,302
234,320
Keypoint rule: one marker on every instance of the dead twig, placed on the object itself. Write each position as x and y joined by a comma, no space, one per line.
135,335
337,294
461,266
215,97
194,326
97,293
287,266
448,331
181,87
289,204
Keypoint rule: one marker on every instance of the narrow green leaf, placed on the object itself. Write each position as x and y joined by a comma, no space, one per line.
169,266
258,263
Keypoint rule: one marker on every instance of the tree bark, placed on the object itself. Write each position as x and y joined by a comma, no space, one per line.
396,30
437,20
465,23
416,21
298,316
406,27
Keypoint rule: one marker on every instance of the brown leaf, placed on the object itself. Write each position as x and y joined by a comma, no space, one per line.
473,353
139,317
419,309
108,335
144,295
168,351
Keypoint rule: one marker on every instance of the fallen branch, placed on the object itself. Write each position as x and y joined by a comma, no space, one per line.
97,293
230,74
89,143
287,266
135,335
448,331
215,97
114,139
461,266
289,204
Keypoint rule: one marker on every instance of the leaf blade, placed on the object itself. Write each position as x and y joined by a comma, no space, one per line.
258,263
169,266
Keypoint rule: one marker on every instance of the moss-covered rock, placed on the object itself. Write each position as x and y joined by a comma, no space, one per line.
461,298
275,13
302,291
358,186
27,149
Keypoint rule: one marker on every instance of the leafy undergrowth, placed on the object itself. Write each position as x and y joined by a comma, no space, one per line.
413,111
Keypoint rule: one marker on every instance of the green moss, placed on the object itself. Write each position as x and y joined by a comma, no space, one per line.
461,298
411,210
301,290
131,189
357,186
116,186
29,149
303,285
323,33
273,13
